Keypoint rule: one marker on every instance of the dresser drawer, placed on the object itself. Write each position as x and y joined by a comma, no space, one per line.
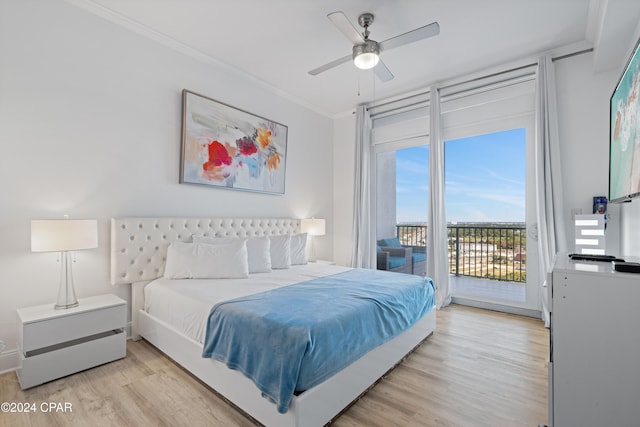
41,334
60,362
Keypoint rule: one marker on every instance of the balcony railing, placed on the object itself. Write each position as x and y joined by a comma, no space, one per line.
495,251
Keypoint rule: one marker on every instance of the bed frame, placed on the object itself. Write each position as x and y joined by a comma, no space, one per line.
138,253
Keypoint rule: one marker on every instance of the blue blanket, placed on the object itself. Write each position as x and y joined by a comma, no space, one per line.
293,338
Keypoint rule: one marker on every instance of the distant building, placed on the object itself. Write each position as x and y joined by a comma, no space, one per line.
477,247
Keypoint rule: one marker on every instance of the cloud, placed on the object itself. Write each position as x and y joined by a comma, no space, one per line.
414,167
501,178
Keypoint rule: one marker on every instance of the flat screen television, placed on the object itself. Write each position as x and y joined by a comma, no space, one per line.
624,133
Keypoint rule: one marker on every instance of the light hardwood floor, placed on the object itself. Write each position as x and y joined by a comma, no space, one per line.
480,368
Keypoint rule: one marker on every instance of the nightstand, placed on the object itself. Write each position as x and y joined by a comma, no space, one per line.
55,343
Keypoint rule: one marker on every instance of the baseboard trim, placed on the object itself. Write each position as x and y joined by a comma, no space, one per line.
9,361
521,311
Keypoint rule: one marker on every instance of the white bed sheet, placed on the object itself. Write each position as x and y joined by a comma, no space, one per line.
184,304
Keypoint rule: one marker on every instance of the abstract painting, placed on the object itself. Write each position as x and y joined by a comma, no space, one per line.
225,147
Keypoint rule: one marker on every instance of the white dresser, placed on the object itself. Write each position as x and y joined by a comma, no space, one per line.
55,343
594,370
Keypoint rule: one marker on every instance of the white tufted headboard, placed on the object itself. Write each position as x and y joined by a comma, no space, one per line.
139,245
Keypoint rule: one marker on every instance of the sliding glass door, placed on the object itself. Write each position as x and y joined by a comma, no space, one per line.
402,188
486,201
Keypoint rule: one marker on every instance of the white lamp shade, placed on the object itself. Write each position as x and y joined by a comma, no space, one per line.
365,55
60,235
313,226
366,60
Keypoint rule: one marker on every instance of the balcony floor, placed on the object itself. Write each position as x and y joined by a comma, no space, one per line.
470,287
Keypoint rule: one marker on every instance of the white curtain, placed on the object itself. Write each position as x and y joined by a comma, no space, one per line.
437,258
364,244
549,200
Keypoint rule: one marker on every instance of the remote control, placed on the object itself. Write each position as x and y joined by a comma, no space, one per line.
601,258
627,267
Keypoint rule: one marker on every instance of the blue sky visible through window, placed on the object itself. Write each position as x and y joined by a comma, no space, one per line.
412,184
484,179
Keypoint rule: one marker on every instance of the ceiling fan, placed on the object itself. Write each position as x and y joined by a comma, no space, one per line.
366,52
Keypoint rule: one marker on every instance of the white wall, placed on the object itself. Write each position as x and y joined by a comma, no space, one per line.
583,117
90,122
630,230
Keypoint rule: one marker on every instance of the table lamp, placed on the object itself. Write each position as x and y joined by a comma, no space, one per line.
64,235
313,227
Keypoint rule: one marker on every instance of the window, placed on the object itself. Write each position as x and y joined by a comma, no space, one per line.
485,177
485,197
402,187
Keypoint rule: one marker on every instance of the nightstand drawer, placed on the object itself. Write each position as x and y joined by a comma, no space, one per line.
71,326
60,362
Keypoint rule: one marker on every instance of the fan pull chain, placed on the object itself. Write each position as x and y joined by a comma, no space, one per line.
373,79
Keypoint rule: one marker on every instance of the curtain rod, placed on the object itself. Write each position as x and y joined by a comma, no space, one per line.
521,67
569,55
556,58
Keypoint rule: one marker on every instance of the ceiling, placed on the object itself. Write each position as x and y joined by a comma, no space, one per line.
277,42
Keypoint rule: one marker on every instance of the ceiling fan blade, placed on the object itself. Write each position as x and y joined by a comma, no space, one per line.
383,72
330,65
345,26
421,33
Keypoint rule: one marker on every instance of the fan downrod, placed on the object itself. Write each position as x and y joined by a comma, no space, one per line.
365,20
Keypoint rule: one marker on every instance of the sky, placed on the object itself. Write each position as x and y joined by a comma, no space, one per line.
484,179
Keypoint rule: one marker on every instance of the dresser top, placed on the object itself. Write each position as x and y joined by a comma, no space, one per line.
42,312
563,262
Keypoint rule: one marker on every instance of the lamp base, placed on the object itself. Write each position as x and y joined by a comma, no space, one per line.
312,252
65,306
66,292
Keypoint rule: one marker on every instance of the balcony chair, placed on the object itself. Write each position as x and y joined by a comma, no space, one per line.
394,259
418,254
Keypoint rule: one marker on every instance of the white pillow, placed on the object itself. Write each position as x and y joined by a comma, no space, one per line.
299,249
203,261
280,251
258,250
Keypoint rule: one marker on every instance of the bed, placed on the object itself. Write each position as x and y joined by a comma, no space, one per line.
174,318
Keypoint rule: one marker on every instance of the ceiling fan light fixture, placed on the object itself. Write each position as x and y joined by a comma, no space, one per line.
366,55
